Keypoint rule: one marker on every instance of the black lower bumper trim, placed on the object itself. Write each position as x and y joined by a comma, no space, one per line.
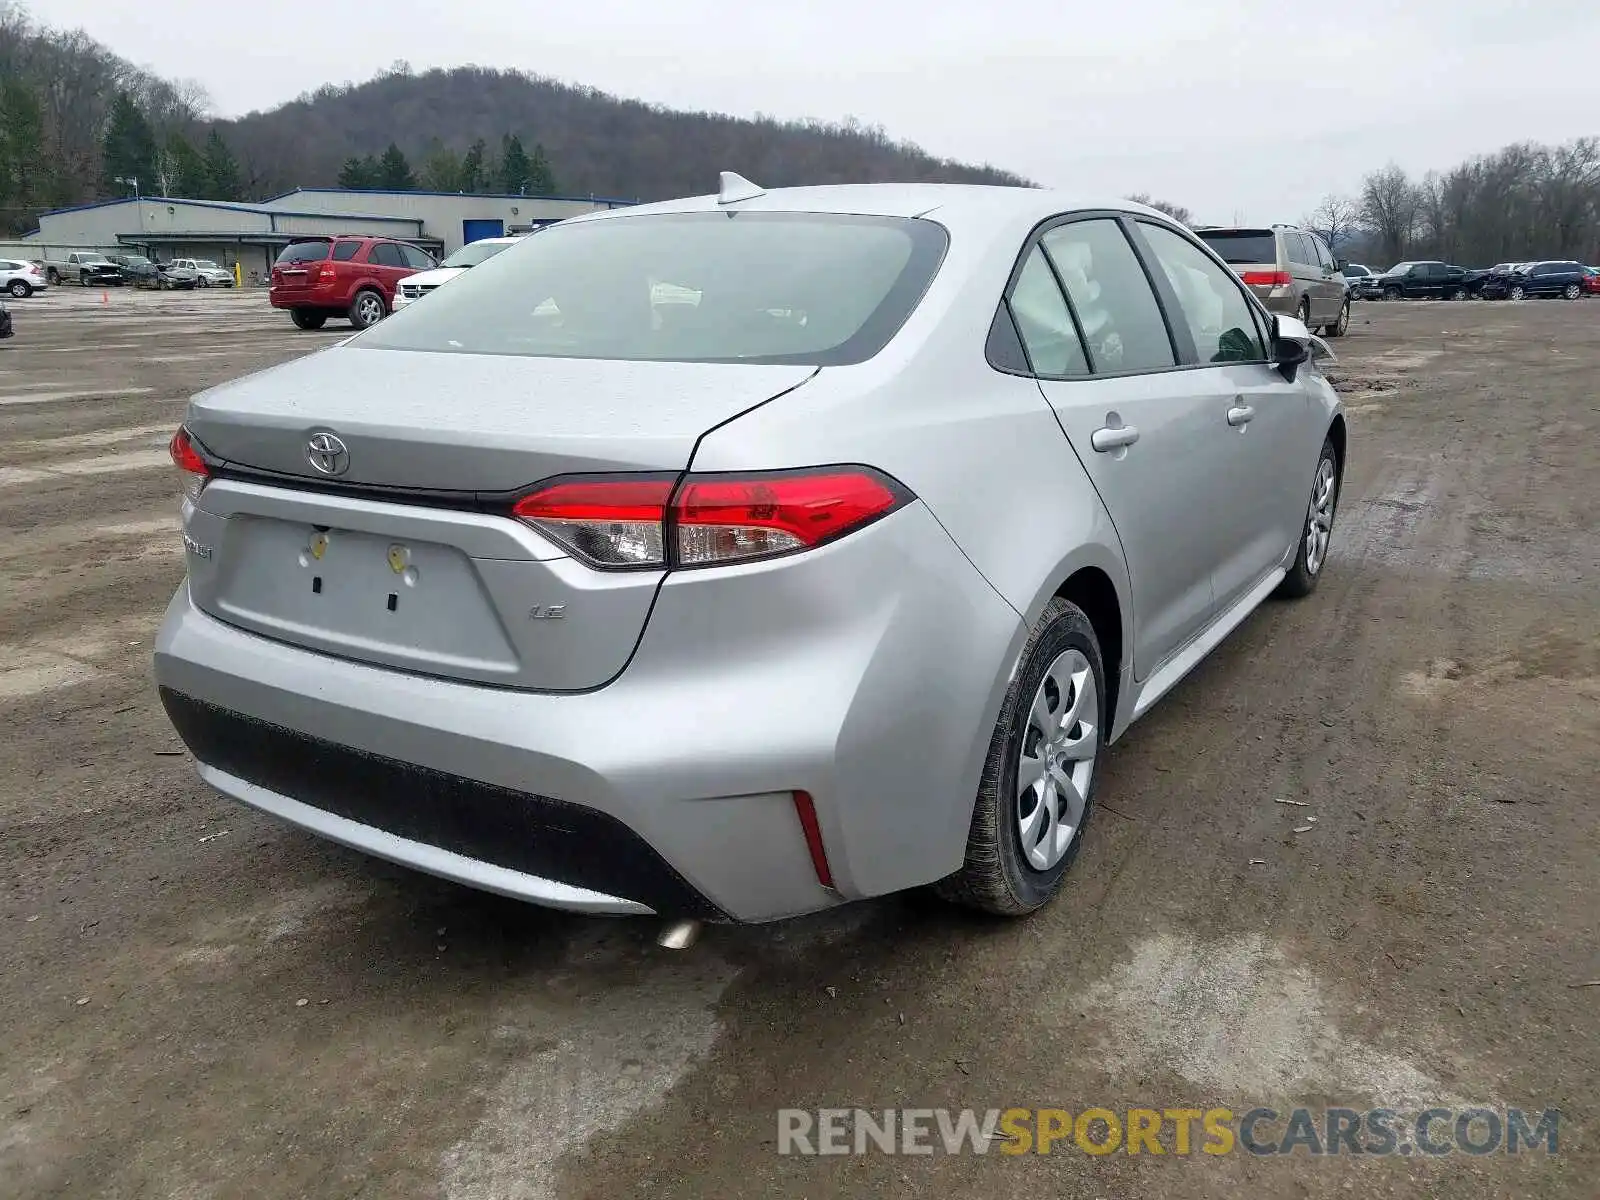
537,835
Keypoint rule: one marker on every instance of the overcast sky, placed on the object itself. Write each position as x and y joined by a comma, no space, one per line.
1239,109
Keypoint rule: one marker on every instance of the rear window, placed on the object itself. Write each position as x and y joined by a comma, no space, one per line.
1238,247
304,252
797,288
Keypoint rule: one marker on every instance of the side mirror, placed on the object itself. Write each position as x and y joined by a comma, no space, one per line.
1291,345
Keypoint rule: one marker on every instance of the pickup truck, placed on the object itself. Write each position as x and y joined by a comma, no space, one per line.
1428,280
83,267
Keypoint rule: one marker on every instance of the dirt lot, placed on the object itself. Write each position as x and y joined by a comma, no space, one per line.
199,1002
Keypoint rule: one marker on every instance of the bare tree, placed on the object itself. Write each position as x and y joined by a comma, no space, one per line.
1389,203
1335,218
1177,212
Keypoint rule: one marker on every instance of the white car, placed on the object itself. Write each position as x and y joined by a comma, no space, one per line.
208,273
415,287
21,278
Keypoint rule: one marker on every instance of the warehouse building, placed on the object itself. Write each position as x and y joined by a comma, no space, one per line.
252,235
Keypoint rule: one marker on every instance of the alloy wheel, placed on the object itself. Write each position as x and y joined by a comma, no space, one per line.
1059,747
370,308
1571,291
1319,517
19,289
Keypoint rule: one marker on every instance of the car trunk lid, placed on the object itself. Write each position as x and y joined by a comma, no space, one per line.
408,556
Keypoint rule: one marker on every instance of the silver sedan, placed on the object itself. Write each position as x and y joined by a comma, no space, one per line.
746,555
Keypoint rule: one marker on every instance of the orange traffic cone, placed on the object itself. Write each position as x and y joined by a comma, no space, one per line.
105,297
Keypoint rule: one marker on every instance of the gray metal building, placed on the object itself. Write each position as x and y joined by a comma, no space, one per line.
253,234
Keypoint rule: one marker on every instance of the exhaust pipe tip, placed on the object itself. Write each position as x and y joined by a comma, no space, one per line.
678,935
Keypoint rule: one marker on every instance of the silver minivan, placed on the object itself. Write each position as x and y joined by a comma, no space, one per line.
1291,270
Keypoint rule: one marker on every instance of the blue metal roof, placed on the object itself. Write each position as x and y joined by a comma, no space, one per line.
258,209
425,192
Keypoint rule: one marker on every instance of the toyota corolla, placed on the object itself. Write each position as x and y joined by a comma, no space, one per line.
745,555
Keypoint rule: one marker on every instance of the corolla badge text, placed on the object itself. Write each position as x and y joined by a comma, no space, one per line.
195,548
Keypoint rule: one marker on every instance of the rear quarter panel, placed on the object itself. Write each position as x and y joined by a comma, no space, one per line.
981,449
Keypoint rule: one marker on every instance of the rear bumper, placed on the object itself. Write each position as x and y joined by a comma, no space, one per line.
307,298
866,673
1275,299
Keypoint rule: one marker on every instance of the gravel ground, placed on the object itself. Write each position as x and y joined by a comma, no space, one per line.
201,1002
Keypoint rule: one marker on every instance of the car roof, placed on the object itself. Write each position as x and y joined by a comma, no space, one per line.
954,203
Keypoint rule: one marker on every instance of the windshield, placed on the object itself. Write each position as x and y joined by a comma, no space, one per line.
762,287
1401,268
1356,271
1243,246
205,264
136,260
91,258
474,253
304,252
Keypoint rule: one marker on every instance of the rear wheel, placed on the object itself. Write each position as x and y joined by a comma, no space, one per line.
1037,789
1304,312
1317,532
1339,327
20,288
1459,294
1392,293
53,276
1572,291
308,318
367,309
1517,292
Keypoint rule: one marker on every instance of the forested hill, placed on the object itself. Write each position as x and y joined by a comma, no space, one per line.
593,143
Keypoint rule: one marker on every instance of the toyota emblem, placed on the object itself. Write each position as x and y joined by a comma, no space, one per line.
327,454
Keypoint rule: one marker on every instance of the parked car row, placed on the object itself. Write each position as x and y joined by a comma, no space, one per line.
1503,281
92,269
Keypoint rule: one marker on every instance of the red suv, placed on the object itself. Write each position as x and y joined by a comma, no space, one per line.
354,277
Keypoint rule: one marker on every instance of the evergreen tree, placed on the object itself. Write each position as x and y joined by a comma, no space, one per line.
220,170
541,180
515,167
394,172
474,171
129,148
441,169
358,174
22,166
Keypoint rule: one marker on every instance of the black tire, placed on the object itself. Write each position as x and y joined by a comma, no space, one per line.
203,282
1342,325
83,279
1304,313
1393,293
20,288
1303,576
1460,293
1516,292
308,318
362,313
996,876
53,277
1571,292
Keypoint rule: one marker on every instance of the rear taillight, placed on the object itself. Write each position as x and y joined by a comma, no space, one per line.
1267,278
327,273
707,520
187,459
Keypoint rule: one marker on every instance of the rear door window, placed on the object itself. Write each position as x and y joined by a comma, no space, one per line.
1123,328
345,251
386,254
415,259
1044,322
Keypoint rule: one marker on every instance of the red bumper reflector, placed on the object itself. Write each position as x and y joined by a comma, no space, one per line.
807,812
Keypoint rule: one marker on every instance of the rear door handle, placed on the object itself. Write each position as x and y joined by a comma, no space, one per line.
1240,415
1113,438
